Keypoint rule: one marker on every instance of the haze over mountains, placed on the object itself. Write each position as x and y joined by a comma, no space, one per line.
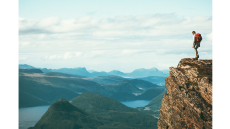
94,97
138,73
38,88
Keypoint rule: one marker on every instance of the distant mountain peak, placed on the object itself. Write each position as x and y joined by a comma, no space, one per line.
62,100
64,105
90,71
80,68
116,72
26,66
153,68
144,69
92,101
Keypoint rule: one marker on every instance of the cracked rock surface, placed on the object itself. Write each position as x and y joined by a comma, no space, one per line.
188,101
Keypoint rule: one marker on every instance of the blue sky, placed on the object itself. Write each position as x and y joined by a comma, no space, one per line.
111,8
108,35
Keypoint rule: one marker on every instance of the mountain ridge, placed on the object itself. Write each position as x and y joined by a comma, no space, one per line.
137,73
36,86
63,115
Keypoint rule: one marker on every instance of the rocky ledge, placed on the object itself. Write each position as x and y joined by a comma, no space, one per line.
188,101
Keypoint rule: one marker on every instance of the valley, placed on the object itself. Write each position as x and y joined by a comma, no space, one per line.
90,97
90,110
38,88
29,116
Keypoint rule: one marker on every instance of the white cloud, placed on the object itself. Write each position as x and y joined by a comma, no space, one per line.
49,21
23,44
129,52
165,65
93,54
67,55
22,58
127,41
209,36
78,54
53,57
123,26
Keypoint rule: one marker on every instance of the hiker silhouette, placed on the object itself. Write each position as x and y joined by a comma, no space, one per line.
197,38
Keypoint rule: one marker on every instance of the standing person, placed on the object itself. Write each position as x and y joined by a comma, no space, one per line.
196,43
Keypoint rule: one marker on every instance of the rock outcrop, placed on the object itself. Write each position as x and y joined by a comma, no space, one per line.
188,102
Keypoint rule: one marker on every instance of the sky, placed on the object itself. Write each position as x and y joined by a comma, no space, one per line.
107,35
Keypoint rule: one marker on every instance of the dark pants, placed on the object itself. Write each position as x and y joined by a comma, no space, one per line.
196,45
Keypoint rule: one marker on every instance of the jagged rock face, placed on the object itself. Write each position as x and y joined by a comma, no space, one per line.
188,102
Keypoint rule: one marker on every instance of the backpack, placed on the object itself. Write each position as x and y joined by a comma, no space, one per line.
198,37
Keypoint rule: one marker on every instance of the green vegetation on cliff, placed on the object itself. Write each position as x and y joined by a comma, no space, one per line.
154,79
156,102
33,93
143,84
151,93
105,79
63,115
124,96
92,102
111,115
109,108
122,86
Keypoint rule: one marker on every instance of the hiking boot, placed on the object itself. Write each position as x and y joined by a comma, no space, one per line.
197,57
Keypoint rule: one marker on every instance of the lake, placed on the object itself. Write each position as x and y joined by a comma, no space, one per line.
28,117
136,103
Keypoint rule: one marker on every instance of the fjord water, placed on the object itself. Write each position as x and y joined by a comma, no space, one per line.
28,117
136,103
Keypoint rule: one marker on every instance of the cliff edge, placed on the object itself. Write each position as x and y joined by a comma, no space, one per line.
188,101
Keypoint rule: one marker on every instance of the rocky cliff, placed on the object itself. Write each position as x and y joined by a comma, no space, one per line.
188,102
